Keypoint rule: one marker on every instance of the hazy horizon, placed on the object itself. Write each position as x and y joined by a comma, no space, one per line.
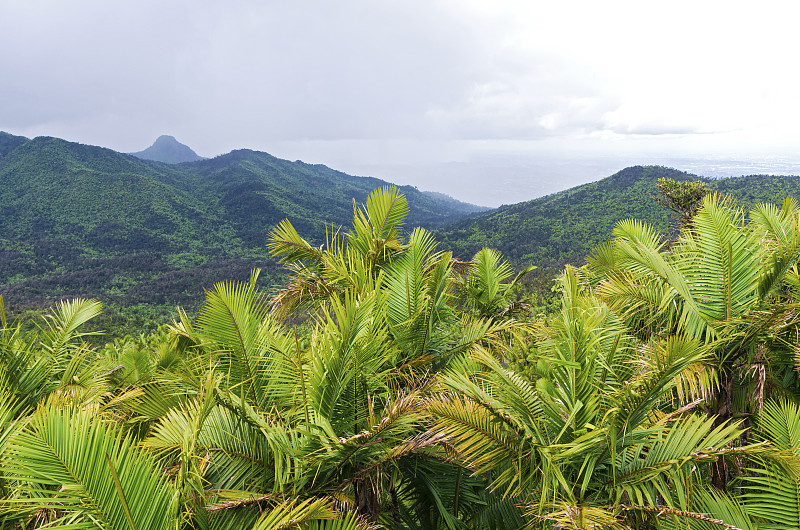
490,102
496,180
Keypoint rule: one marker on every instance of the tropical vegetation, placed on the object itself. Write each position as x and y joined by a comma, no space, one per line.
144,236
84,221
388,384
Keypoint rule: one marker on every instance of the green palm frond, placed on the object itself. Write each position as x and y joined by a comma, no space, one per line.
24,369
487,276
252,444
234,325
376,227
484,286
639,251
776,224
64,322
772,490
497,513
777,234
579,517
505,393
155,399
773,495
408,293
691,439
707,510
62,460
662,366
346,521
290,515
348,356
285,243
646,303
723,263
418,304
485,441
780,423
306,289
11,408
583,348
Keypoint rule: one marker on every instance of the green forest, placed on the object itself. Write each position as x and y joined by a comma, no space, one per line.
84,221
390,383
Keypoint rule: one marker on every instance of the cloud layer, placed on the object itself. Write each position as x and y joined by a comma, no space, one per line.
425,83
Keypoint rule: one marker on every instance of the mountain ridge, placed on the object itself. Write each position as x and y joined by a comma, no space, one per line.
80,220
168,150
566,226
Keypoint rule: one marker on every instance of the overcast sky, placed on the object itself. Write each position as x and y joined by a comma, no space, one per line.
490,101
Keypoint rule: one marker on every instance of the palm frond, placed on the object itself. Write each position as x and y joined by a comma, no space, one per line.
64,322
580,517
61,459
289,515
709,510
285,243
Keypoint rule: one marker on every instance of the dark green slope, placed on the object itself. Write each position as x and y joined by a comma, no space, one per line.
79,220
9,142
758,188
99,199
255,191
566,226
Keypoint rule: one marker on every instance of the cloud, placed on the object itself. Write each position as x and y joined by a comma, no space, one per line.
247,73
653,128
423,82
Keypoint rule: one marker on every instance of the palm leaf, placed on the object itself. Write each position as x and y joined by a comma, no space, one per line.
285,243
376,227
64,323
773,490
60,460
290,515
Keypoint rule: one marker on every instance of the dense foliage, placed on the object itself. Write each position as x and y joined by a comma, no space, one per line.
143,237
388,385
78,220
566,226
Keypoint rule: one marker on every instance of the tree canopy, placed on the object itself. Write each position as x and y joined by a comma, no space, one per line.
389,385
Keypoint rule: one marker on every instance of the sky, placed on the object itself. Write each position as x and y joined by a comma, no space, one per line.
492,102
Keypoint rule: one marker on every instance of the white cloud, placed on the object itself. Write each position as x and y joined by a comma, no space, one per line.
441,81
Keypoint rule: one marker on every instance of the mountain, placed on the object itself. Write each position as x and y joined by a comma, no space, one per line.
455,204
566,226
80,220
9,142
255,190
168,150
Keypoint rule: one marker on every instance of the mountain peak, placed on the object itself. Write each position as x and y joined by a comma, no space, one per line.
169,150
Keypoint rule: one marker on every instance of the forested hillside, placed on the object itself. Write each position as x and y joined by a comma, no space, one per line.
566,226
81,220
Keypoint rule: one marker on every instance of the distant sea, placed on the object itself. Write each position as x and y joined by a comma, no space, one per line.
735,168
495,180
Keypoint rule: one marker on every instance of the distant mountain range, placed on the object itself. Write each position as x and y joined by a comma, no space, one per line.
80,220
566,226
168,150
